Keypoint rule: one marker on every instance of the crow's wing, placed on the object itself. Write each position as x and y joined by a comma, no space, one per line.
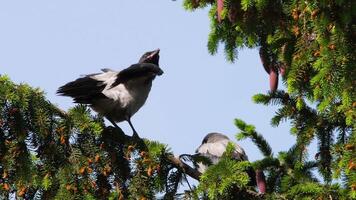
240,153
135,71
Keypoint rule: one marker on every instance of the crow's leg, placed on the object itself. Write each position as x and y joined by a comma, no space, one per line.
113,122
135,134
136,139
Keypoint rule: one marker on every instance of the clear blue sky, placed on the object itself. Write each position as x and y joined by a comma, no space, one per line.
48,43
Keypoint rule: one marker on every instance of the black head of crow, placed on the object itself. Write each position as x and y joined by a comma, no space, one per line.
117,95
213,147
150,57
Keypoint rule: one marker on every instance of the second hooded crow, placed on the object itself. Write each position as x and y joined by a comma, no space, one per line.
213,147
117,95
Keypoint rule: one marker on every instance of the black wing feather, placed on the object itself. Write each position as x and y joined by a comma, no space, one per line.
135,71
83,90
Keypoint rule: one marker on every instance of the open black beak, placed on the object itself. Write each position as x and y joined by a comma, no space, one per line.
150,57
154,53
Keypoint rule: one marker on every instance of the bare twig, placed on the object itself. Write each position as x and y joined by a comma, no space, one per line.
186,168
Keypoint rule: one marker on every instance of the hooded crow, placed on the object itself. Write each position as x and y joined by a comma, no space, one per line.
117,95
213,147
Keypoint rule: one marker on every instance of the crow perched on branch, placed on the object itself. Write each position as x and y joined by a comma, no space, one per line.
117,95
213,147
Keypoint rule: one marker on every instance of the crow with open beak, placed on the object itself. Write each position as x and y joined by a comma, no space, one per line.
117,95
213,147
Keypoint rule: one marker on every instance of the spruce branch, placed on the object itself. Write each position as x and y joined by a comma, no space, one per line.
248,131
